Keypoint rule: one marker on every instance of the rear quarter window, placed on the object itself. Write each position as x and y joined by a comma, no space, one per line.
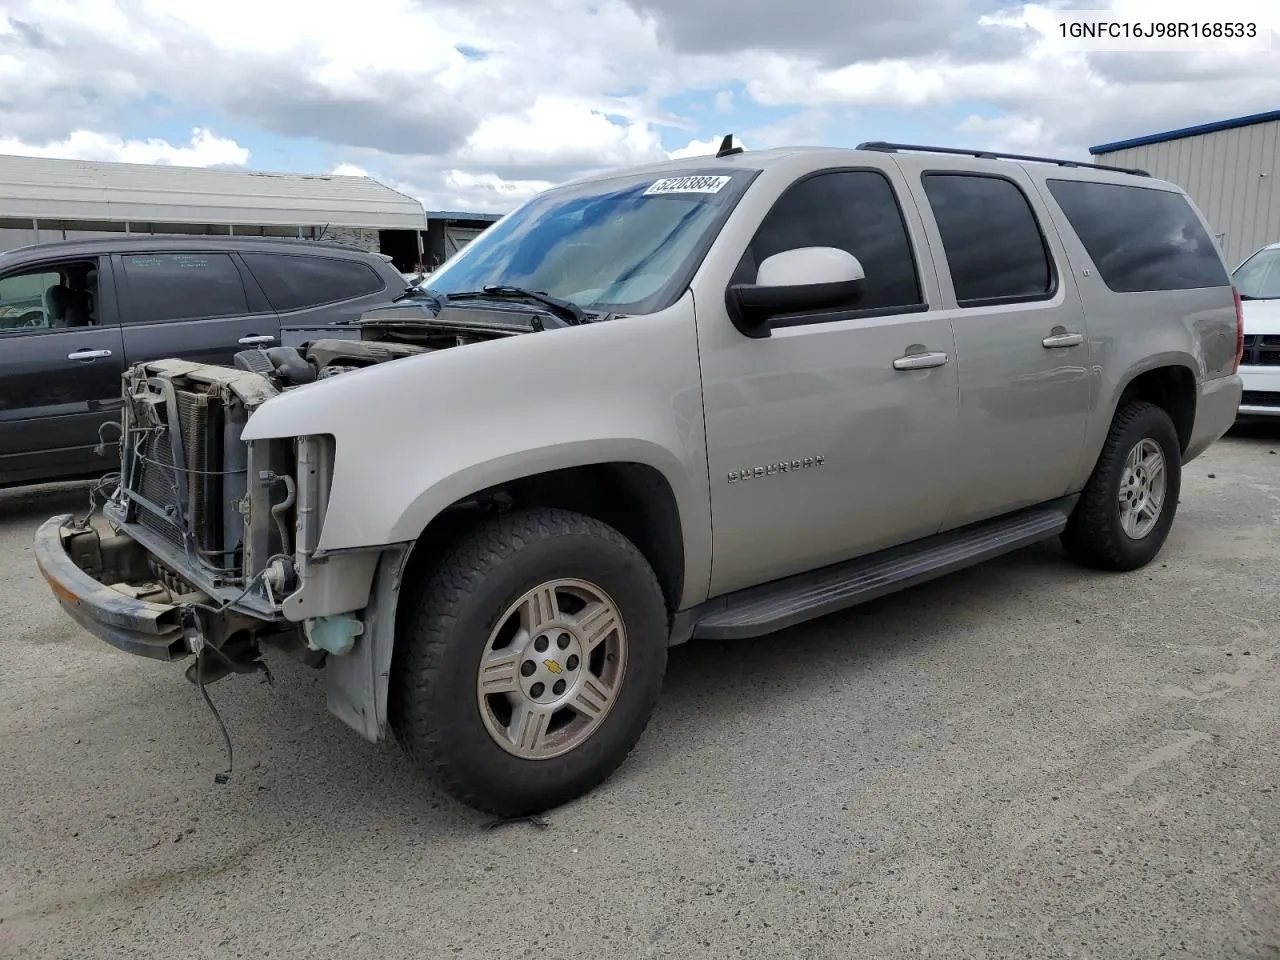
295,282
1140,239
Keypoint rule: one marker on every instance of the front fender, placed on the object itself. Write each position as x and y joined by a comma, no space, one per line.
413,436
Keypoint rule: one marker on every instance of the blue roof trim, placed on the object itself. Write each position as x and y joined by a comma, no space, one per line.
1187,132
457,215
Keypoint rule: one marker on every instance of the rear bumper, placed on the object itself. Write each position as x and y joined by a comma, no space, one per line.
1261,392
138,626
1215,413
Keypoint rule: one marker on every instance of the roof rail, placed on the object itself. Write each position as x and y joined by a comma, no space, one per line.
884,147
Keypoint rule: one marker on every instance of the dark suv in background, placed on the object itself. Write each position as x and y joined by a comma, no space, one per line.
75,314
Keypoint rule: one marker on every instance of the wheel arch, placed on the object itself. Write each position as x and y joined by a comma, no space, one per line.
1169,380
1170,386
635,498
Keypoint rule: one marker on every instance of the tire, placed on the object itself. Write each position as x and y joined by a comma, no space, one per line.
453,732
1095,535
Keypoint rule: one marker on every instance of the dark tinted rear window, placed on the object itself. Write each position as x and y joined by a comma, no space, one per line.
1140,238
293,282
991,238
182,286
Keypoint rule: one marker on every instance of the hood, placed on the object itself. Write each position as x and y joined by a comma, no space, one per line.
1261,317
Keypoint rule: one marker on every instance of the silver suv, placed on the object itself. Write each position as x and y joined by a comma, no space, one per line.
714,397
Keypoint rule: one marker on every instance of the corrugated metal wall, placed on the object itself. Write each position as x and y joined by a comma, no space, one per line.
1232,175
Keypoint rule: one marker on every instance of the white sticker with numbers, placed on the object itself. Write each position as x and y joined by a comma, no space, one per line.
687,185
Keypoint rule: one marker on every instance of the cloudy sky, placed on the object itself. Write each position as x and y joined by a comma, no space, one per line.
476,104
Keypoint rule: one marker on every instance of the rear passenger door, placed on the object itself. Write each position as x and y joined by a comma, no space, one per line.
192,305
1021,340
313,289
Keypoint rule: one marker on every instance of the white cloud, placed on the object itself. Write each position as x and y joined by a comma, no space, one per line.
702,148
348,170
561,132
384,88
203,150
464,190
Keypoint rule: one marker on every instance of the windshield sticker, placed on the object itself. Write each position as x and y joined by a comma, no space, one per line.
687,185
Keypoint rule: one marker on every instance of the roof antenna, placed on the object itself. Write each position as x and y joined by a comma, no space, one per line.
727,149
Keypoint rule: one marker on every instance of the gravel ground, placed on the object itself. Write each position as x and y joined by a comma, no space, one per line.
1024,760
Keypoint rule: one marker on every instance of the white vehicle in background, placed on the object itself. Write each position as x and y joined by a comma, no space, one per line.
1258,281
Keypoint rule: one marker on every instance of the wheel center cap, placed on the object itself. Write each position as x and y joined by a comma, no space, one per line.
550,665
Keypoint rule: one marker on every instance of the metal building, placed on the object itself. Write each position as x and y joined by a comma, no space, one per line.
45,199
1229,168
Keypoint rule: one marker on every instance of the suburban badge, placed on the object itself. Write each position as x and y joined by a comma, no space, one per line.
773,469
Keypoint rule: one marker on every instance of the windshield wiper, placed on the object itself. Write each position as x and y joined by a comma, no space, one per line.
418,293
566,310
417,290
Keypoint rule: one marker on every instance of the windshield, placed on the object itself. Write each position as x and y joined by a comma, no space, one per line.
1258,278
627,244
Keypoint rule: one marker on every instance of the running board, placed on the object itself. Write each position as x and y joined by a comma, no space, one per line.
785,603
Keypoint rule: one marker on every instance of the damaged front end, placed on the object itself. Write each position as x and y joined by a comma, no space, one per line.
207,543
208,540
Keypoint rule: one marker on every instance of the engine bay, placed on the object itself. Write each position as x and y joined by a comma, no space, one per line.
388,334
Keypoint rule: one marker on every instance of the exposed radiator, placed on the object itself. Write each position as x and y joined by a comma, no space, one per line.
157,479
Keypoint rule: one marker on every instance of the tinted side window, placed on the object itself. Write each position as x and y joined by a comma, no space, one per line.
991,238
1140,238
294,282
182,286
854,210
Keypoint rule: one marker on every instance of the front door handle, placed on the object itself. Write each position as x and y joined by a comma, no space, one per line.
1063,340
920,361
256,340
89,355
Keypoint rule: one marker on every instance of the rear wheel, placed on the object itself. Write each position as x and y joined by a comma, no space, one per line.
1127,508
531,661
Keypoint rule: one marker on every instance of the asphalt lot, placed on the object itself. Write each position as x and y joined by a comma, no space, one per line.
1023,760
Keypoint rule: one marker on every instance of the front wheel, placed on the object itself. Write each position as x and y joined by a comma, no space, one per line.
1127,508
531,661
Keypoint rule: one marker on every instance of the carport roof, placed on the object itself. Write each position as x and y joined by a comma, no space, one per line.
1198,130
43,188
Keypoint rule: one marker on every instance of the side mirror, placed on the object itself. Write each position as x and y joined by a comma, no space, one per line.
795,281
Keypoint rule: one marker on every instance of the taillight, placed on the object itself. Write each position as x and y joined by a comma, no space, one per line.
1239,328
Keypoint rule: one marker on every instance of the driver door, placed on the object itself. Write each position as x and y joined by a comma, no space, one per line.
820,449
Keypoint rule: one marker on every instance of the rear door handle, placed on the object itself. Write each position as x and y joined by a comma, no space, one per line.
920,361
256,340
89,355
1063,340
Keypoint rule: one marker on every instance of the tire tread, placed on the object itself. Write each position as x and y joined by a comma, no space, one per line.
1090,537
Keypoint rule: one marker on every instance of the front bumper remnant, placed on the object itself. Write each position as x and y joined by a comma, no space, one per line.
104,583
